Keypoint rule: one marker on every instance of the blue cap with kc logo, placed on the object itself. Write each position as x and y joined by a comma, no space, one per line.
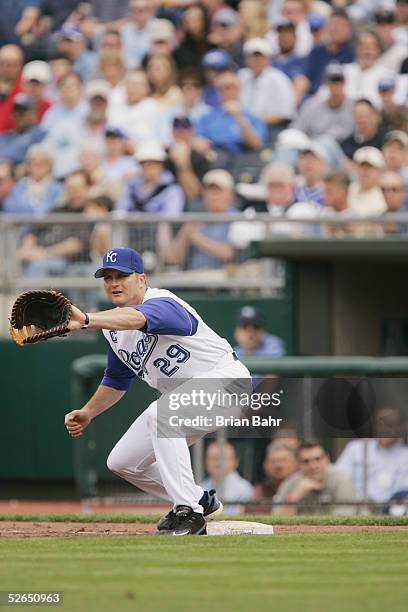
122,260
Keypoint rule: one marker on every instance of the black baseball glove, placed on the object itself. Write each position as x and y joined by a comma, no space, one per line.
38,316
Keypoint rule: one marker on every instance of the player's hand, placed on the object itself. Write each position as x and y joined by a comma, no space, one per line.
77,319
76,421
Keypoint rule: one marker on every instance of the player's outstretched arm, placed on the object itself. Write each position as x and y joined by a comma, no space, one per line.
103,398
117,318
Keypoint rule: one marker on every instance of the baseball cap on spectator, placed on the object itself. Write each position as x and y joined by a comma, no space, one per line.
70,31
334,72
161,30
226,17
397,135
23,102
316,22
220,178
151,151
182,123
315,148
369,155
116,132
386,84
284,24
217,59
251,315
123,259
384,15
37,70
257,45
97,88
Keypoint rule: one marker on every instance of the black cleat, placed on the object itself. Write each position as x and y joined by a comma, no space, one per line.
188,522
210,503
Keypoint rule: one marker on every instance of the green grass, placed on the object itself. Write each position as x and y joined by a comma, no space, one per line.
341,572
102,517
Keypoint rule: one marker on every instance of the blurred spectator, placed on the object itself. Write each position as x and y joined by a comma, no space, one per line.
193,46
111,66
365,195
207,245
279,463
70,107
286,57
393,189
254,18
395,151
118,164
387,459
214,62
14,144
154,190
110,40
253,339
364,75
279,181
97,94
393,52
11,63
330,114
72,44
192,104
265,91
317,24
17,18
187,164
318,486
60,67
7,182
99,183
221,462
49,249
401,11
58,11
64,124
367,128
311,167
37,193
135,34
295,11
226,34
230,127
100,237
163,37
162,74
76,193
36,78
338,48
134,110
336,187
288,436
106,11
394,116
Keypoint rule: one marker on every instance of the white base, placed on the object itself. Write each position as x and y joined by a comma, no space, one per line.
217,528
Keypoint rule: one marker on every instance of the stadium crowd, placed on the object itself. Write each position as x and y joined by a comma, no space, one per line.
294,108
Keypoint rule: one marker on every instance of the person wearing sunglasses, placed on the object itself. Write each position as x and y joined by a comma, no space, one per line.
317,487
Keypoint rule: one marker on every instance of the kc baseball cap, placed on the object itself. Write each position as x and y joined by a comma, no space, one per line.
123,260
249,314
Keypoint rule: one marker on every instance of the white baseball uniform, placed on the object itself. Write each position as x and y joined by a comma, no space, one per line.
176,344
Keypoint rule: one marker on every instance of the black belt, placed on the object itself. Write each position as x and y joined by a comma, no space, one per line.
234,356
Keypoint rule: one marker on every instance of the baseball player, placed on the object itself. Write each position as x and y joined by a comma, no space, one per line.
155,335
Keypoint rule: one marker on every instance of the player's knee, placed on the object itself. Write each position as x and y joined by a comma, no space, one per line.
113,463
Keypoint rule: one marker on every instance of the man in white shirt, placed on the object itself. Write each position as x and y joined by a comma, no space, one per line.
365,195
133,110
387,459
135,35
265,91
221,464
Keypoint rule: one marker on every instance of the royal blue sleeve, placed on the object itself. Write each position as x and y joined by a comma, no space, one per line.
117,375
167,317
